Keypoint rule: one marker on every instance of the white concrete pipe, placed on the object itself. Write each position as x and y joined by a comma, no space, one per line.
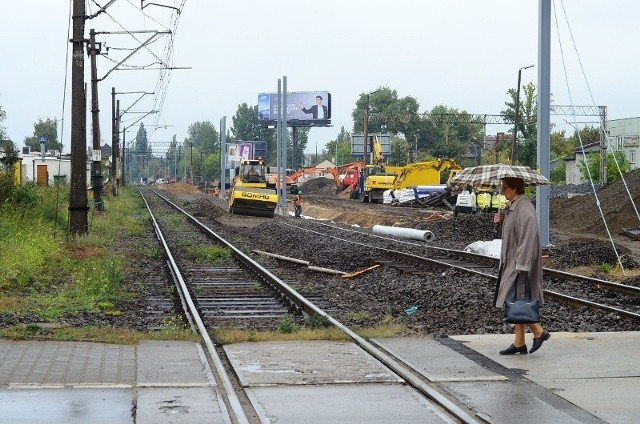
410,233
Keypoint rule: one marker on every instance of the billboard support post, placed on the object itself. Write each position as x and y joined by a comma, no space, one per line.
223,154
282,200
366,131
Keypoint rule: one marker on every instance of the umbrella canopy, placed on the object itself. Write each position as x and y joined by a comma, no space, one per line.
490,175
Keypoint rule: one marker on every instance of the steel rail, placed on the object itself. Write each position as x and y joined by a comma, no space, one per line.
313,310
595,281
592,305
398,367
549,271
237,408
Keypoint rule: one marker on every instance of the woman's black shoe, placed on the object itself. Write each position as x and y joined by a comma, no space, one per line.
511,350
537,341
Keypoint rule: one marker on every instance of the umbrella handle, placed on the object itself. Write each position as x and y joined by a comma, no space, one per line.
497,225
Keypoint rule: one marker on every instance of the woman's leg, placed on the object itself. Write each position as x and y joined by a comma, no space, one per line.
519,330
540,335
536,329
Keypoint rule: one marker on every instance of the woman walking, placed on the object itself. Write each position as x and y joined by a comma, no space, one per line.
520,260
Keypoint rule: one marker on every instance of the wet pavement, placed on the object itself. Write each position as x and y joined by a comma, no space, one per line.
573,378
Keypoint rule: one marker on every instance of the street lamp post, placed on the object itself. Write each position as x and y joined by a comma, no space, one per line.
43,147
515,120
365,132
366,126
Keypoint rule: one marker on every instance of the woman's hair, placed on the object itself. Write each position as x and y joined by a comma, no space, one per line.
515,183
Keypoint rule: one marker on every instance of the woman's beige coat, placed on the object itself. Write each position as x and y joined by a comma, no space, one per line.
521,250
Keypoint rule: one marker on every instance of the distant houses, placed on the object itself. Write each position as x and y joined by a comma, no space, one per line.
623,135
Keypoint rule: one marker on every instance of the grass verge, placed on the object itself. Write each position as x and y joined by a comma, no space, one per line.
49,276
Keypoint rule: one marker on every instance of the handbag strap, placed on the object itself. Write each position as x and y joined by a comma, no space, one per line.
527,288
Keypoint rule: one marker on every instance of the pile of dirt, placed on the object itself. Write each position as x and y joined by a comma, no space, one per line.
581,214
319,186
179,188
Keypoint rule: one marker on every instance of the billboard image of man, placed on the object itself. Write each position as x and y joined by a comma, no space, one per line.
317,111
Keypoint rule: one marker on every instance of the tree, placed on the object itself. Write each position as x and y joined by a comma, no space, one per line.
173,157
559,173
142,142
448,133
526,146
203,137
211,169
47,129
593,166
399,115
10,155
343,144
584,136
560,146
302,139
140,155
3,115
246,126
399,151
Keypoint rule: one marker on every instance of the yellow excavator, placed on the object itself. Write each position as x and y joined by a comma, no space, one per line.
249,194
378,177
425,173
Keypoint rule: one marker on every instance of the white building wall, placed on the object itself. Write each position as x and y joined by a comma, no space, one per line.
55,166
624,135
573,172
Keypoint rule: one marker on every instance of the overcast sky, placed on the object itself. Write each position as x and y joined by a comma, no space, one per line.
463,54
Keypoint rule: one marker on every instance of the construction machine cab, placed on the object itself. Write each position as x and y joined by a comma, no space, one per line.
253,174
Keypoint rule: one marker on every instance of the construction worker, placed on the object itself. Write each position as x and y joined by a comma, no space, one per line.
297,204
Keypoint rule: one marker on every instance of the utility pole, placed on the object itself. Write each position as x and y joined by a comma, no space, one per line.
191,162
96,168
124,155
514,147
78,208
117,143
115,113
365,132
603,145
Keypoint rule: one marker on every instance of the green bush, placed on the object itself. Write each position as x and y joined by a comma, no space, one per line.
287,325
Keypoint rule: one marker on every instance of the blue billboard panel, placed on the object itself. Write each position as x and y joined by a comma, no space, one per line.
357,144
304,106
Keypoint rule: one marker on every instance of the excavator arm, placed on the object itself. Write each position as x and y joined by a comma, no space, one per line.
378,154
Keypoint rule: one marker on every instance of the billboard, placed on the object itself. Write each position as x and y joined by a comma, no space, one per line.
314,106
237,152
357,145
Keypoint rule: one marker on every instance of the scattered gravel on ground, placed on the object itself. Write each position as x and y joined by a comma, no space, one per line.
447,303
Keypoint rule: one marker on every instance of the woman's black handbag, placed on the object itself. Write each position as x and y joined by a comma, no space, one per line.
521,311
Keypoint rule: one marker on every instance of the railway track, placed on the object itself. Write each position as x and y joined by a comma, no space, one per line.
229,289
237,276
196,300
576,290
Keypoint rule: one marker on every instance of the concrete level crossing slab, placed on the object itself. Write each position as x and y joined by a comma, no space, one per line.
184,405
67,406
59,364
598,372
309,362
325,382
494,395
78,382
172,363
344,403
436,362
